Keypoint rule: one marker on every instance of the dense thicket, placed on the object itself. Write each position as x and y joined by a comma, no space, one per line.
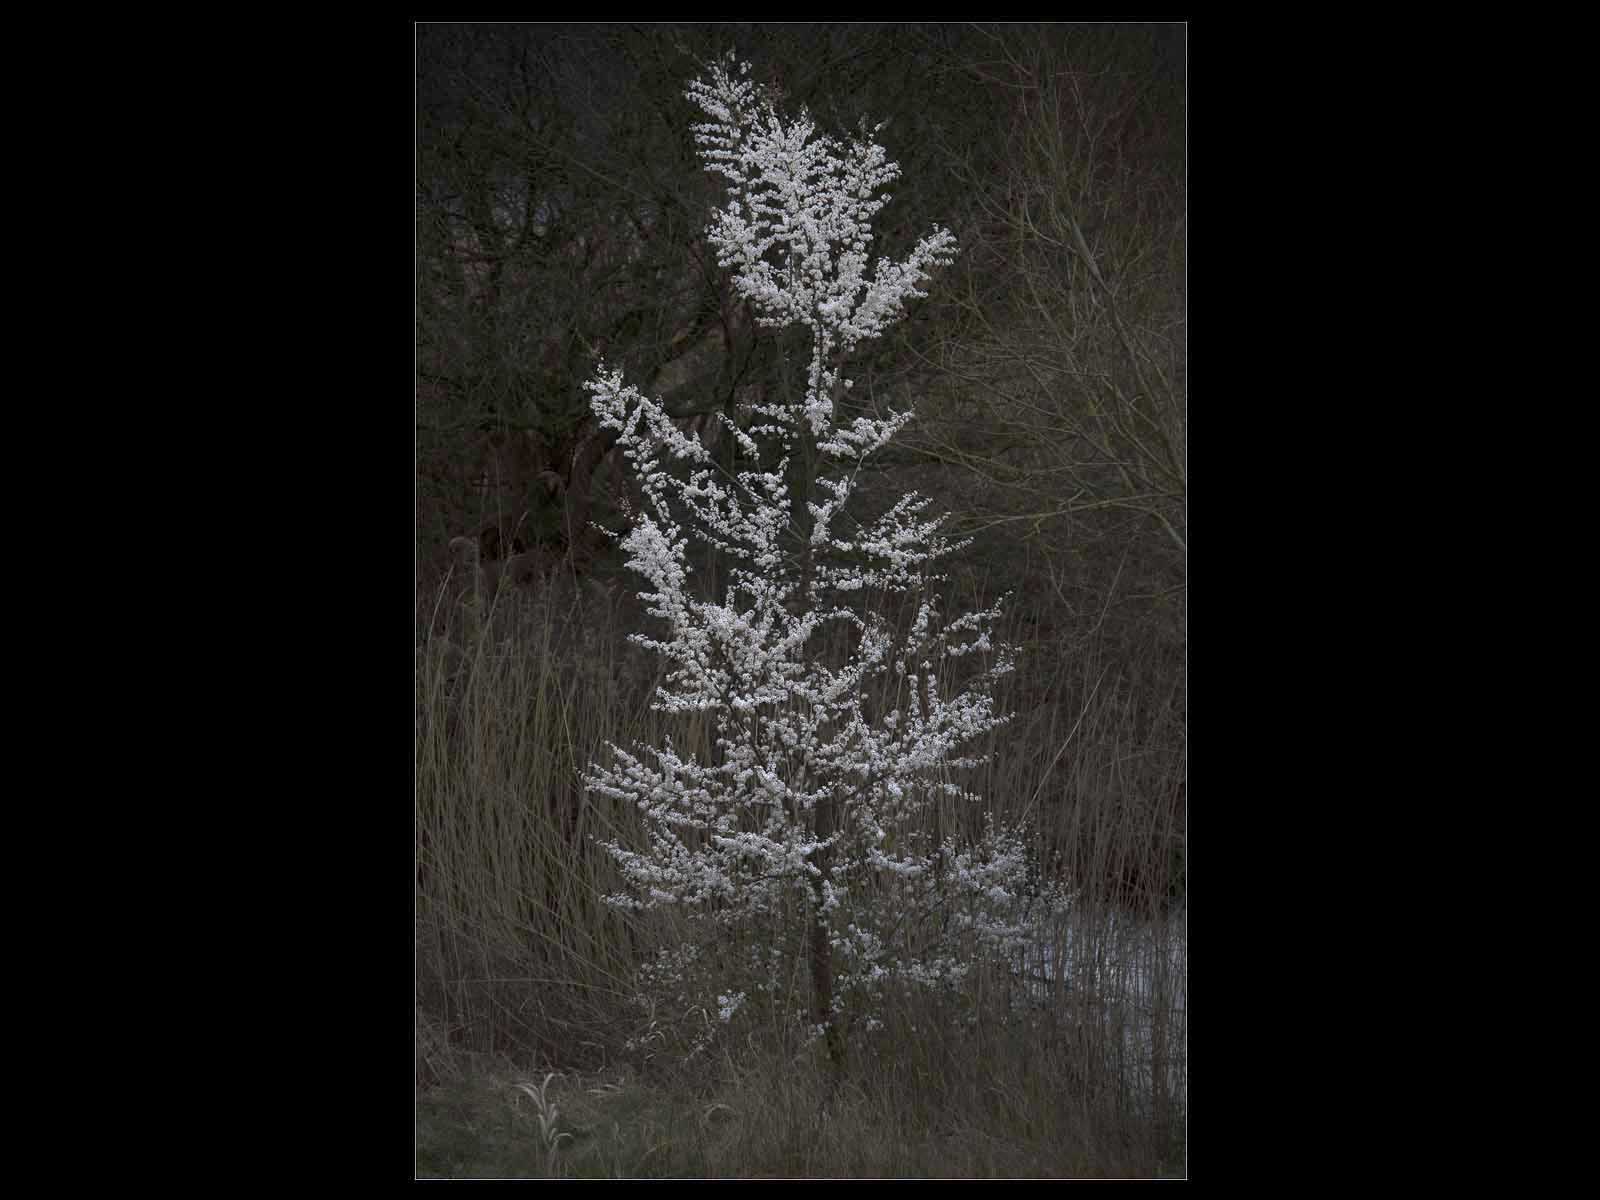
561,214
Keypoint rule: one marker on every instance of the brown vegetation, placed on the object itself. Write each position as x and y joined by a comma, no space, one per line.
559,212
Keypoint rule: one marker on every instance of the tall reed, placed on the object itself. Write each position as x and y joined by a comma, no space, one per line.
518,956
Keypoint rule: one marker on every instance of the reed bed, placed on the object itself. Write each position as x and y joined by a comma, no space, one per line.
533,1054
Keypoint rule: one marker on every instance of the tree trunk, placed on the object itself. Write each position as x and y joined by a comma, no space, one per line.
821,942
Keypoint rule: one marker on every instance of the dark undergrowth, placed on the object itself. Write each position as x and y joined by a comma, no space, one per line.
535,1058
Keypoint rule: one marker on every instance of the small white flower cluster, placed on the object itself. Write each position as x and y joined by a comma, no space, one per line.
953,908
797,228
738,836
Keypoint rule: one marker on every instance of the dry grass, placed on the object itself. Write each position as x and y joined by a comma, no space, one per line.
524,979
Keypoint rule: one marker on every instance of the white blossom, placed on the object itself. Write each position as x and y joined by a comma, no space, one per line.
738,836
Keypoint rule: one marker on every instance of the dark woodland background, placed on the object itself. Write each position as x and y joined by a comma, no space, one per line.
560,216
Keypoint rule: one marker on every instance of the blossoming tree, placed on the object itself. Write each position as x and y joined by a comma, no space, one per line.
805,815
